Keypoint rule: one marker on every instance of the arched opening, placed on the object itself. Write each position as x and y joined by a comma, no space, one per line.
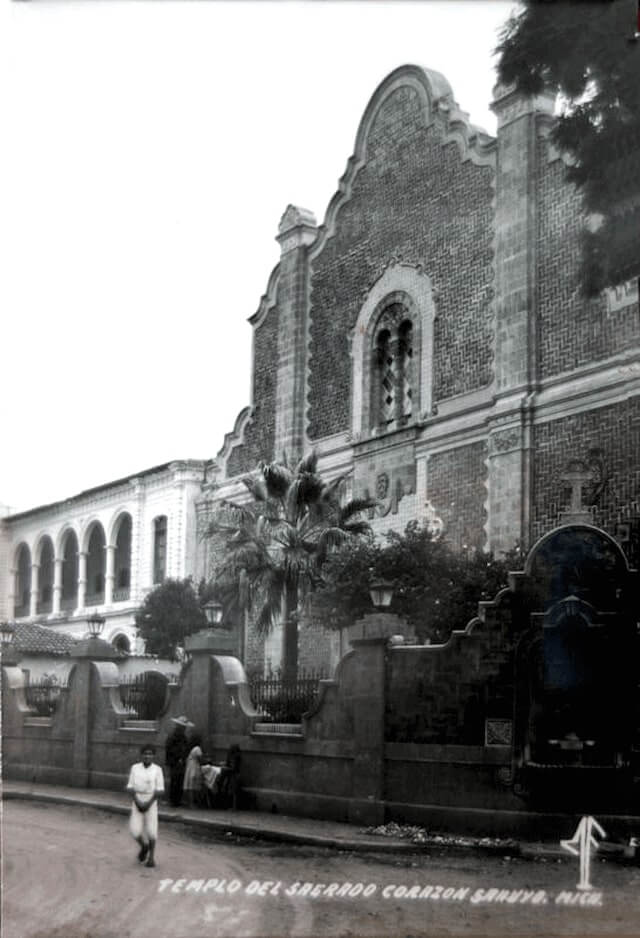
45,580
69,598
96,562
575,672
159,548
22,602
122,565
122,644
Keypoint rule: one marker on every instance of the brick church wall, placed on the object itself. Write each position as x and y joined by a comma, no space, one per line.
573,330
259,436
457,490
416,199
615,432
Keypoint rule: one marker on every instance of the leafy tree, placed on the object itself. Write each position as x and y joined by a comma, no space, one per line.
168,614
436,589
275,546
582,50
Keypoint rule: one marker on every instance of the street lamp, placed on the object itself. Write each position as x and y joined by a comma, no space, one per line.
7,632
213,612
96,624
381,592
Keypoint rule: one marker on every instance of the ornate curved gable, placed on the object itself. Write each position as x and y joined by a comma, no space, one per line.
436,101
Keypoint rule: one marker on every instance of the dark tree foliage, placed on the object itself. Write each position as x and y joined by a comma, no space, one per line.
169,613
583,51
436,589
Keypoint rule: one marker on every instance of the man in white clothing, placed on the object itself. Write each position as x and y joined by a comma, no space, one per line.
146,782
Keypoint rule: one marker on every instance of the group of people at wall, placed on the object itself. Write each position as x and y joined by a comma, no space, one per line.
193,777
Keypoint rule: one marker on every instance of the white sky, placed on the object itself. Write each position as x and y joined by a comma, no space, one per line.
149,152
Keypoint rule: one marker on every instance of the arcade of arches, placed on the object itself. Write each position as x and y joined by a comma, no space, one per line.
74,577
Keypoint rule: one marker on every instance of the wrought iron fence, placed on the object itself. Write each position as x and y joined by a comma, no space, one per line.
283,701
144,695
42,696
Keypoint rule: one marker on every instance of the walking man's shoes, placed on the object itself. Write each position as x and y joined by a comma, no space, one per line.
144,850
150,862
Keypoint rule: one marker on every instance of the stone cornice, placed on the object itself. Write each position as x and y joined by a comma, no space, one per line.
121,490
385,441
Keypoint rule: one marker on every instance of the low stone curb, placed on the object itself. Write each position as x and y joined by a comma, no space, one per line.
223,825
545,852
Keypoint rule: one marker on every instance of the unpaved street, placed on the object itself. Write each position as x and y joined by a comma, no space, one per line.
73,873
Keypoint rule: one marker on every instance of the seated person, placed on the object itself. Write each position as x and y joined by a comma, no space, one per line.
230,774
210,776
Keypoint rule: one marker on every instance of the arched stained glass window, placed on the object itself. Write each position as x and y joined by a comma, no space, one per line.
393,378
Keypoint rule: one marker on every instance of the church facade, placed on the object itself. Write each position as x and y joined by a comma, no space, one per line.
431,339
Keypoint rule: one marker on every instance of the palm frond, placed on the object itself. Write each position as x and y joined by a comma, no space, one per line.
257,487
308,463
291,501
358,528
330,539
355,506
331,490
270,592
277,478
310,488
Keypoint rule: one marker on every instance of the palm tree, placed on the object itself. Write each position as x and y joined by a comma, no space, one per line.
276,544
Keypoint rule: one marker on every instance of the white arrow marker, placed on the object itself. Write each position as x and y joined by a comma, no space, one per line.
581,844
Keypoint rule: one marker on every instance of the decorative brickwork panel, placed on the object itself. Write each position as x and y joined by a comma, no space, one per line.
259,436
609,439
573,330
417,200
456,487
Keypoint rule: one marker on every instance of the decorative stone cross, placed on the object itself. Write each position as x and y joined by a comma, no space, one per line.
577,475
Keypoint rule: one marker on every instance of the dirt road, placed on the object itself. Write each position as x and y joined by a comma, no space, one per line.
73,873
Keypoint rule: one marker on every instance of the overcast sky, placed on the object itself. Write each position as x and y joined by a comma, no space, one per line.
149,151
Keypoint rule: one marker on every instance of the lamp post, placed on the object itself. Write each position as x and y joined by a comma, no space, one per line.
381,592
96,624
7,634
213,612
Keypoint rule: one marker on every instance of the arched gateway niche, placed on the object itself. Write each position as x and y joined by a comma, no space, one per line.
576,670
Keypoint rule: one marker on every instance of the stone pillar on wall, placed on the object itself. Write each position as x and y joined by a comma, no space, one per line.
198,689
296,232
515,313
109,574
57,585
139,535
85,654
35,589
82,578
11,593
368,696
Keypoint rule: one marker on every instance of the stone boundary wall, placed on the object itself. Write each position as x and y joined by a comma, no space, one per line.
349,760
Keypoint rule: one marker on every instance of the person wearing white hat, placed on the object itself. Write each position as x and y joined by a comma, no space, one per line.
176,751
